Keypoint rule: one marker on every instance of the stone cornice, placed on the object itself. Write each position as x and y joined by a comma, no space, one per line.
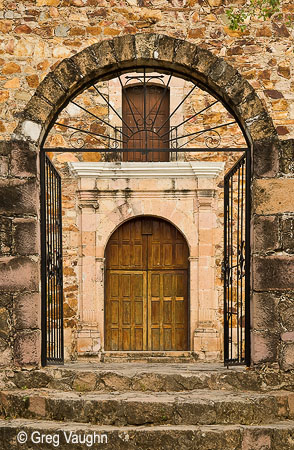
106,170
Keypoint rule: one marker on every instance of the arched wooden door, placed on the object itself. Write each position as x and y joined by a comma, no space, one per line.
146,305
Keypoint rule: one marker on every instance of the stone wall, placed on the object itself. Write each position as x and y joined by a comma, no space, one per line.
273,262
19,256
272,277
37,34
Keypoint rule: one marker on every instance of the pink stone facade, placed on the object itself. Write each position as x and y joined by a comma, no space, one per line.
183,193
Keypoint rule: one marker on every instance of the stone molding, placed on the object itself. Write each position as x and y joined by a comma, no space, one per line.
140,170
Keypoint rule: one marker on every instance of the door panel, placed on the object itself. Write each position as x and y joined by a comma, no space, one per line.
125,315
167,248
127,248
168,304
146,309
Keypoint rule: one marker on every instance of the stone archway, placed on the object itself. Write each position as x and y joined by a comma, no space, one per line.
189,60
101,59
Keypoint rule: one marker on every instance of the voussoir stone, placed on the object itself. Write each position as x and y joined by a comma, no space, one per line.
185,53
261,128
67,75
237,90
85,64
165,48
203,62
145,46
287,157
103,54
250,107
38,110
221,73
124,48
52,91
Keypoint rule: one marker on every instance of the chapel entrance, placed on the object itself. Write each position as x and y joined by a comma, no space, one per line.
146,303
124,133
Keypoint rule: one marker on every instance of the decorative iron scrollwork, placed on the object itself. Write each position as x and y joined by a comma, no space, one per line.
76,140
114,137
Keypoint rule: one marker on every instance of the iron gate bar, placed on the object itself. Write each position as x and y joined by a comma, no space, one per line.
91,133
199,133
191,117
236,267
113,109
204,131
96,117
247,258
51,265
179,105
161,100
114,149
127,98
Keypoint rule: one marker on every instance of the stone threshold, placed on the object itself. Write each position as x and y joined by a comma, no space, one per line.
149,356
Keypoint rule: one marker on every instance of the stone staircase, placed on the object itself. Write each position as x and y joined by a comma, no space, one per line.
147,406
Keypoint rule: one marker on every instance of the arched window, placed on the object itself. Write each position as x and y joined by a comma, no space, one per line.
145,112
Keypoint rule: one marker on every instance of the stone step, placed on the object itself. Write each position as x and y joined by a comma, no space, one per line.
200,407
146,377
148,357
274,436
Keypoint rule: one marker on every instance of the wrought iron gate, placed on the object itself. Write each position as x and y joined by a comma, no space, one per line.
146,128
236,266
52,286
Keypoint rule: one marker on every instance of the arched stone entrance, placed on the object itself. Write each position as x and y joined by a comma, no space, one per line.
214,74
73,74
146,301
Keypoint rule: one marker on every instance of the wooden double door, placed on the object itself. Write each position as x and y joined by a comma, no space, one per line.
146,305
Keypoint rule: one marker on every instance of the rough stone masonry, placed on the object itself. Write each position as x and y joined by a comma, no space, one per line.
37,35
